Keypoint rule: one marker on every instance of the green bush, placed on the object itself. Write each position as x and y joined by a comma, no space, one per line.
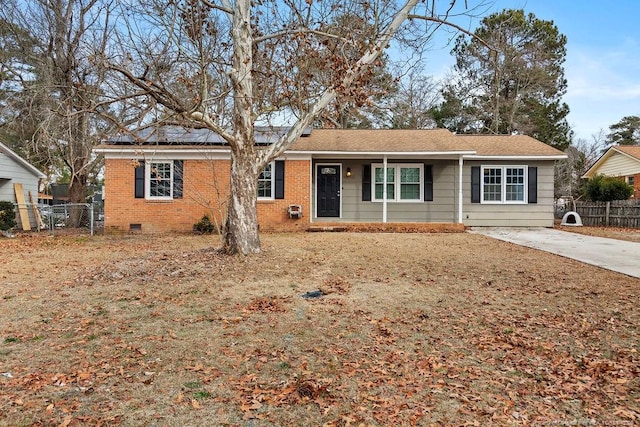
603,188
204,226
7,215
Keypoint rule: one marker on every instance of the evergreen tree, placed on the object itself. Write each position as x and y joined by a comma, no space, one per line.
509,78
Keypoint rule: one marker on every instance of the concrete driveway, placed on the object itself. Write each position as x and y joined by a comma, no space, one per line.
615,255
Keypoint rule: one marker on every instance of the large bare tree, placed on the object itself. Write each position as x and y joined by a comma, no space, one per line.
57,89
413,103
225,64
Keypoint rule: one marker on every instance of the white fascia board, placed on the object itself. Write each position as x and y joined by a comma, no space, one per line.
153,153
288,155
518,158
357,154
182,154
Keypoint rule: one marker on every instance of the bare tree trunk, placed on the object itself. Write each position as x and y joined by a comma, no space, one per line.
77,194
241,232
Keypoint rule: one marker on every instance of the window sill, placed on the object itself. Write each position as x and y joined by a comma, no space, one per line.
159,200
399,201
503,203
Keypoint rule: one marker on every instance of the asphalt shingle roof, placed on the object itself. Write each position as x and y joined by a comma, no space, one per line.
632,150
429,140
356,141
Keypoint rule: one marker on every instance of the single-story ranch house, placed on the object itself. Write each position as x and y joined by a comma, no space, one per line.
622,161
176,175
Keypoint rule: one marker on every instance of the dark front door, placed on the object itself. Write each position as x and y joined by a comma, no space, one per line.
328,190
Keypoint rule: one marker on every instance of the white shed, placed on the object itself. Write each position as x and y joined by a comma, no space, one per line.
16,174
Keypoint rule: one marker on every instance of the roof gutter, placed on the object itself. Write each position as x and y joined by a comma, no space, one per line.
383,153
527,157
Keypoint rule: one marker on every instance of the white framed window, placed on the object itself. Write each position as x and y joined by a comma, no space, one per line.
504,184
404,182
266,182
631,180
159,180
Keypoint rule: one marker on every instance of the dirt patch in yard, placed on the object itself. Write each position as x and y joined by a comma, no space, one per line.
426,329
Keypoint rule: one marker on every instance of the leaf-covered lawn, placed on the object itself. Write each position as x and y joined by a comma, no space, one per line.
424,329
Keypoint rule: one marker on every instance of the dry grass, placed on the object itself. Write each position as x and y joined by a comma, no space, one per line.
442,329
628,234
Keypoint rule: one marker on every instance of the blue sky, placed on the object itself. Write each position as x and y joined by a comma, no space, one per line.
603,57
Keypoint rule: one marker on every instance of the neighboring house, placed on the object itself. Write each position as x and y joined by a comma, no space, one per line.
621,161
15,170
337,176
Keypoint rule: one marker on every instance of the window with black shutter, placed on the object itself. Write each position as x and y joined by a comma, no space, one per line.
159,179
500,184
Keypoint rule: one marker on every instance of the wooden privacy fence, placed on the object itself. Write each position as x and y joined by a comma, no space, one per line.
618,213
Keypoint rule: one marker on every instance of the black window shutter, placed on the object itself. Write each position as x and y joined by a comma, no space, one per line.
475,184
178,172
139,180
428,183
366,183
279,179
532,189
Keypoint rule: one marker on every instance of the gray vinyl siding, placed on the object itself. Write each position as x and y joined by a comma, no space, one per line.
354,209
12,172
538,214
444,207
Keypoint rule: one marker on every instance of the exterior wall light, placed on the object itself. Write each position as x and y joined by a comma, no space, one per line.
348,172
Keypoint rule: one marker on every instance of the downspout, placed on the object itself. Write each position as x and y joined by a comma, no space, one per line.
384,189
460,164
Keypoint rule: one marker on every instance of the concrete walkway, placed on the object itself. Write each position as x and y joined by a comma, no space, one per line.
615,255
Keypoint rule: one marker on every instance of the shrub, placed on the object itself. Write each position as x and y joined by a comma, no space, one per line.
7,215
204,226
603,188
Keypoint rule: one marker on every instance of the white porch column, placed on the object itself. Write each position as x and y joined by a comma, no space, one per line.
384,188
460,164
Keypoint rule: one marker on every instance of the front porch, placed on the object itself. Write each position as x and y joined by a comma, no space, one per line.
418,191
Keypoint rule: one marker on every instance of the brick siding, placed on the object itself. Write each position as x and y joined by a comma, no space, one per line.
272,214
205,191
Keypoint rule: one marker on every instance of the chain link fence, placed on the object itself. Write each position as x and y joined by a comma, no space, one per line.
78,217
